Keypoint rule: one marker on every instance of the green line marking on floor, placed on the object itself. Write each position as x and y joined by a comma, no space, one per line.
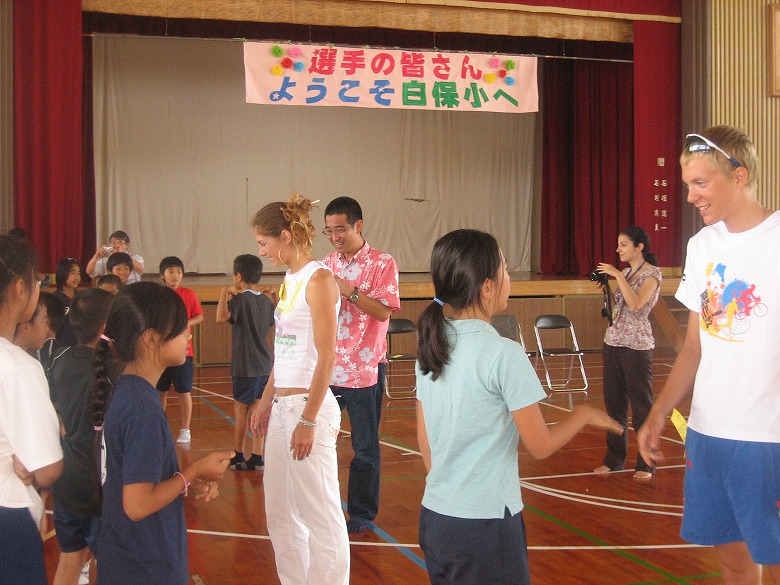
669,577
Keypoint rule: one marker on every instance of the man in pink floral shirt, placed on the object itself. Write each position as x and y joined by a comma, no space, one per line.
368,282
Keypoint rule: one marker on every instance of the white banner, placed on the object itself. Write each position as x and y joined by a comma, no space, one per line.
312,75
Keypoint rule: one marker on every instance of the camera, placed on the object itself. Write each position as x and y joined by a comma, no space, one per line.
108,249
597,276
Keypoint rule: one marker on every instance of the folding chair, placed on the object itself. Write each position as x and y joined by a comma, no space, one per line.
508,326
570,349
400,377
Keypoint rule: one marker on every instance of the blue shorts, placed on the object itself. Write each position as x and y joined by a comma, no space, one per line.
180,376
248,388
74,531
473,552
732,494
21,547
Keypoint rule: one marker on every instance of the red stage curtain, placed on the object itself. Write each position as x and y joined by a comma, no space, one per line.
48,198
557,252
587,183
657,126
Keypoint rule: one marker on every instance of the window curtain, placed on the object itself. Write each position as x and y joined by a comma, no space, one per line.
48,198
587,187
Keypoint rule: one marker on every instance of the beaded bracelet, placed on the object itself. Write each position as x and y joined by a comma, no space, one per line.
307,423
186,489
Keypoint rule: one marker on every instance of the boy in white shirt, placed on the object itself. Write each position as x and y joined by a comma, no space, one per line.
731,361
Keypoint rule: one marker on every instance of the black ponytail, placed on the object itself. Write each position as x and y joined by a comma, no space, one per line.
434,349
461,262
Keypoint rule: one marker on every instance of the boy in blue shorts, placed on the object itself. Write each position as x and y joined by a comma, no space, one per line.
251,313
77,494
172,273
731,361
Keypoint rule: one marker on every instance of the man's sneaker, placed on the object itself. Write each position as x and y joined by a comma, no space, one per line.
184,436
251,464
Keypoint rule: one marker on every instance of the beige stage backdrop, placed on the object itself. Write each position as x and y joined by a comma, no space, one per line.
182,162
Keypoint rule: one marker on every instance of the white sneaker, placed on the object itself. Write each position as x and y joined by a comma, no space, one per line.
84,576
184,436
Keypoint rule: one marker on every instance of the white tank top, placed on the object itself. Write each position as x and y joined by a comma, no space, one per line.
295,354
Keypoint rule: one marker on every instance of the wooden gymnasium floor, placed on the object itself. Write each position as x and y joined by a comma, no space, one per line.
581,529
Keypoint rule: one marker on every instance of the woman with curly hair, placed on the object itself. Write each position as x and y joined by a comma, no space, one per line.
297,413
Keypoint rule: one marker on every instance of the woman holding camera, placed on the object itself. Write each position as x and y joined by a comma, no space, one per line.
628,345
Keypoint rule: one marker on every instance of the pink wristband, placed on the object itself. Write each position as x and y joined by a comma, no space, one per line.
186,489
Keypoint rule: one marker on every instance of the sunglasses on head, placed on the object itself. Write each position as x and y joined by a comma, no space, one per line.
698,143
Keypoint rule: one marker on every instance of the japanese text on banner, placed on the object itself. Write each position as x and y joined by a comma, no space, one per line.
388,78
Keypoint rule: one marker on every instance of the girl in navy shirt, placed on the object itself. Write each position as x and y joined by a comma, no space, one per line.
143,536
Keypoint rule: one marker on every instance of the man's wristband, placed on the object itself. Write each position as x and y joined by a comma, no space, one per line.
354,296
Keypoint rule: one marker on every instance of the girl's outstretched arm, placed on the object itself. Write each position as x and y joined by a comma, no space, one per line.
542,440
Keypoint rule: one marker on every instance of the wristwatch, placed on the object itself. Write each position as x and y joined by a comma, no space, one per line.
354,296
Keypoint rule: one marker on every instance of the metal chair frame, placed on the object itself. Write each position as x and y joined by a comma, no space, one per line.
408,392
508,326
561,323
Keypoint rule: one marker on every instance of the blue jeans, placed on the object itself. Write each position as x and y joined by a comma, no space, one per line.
364,406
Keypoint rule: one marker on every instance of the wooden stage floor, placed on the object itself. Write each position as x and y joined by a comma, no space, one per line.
581,529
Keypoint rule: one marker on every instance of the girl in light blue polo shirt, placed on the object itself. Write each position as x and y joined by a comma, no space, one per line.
478,396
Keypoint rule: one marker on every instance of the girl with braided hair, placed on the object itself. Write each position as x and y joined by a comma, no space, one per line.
143,536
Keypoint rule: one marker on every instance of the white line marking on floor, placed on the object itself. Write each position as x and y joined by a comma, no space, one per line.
415,545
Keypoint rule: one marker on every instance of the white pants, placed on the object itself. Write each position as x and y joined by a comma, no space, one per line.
302,498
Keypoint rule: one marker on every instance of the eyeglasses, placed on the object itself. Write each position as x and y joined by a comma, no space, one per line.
698,143
337,231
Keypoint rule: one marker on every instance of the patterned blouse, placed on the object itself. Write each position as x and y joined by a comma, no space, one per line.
632,328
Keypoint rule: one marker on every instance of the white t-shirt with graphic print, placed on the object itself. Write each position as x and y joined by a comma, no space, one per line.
733,281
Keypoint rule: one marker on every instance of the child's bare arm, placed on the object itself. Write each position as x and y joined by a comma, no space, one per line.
140,500
227,293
